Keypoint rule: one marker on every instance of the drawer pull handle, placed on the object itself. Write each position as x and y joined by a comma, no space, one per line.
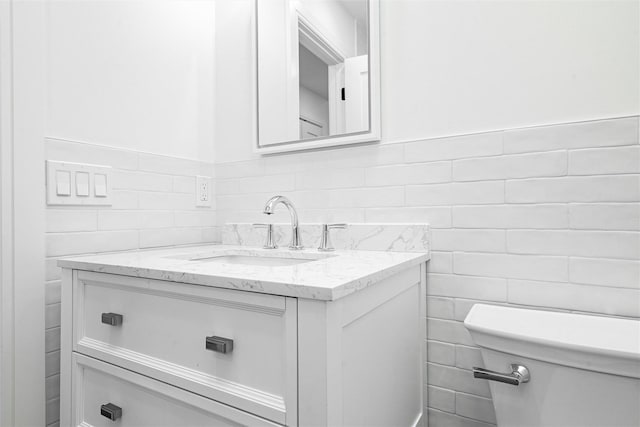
113,319
111,411
219,344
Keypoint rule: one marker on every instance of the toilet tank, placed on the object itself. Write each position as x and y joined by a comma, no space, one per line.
584,370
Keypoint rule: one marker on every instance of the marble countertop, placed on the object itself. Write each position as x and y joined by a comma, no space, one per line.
328,276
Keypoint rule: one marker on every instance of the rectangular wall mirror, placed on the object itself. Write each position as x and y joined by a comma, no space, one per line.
318,73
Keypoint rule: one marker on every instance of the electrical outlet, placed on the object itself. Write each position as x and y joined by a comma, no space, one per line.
203,191
203,196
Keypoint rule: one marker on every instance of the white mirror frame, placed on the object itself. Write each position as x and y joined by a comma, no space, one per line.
374,132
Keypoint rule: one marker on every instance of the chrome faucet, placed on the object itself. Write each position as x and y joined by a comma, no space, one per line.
296,241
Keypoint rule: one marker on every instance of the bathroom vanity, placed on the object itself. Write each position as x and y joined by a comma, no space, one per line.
227,335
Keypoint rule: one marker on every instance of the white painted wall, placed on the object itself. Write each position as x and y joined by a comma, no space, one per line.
134,74
457,67
234,80
470,66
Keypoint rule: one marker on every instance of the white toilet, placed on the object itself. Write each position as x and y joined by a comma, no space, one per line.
558,369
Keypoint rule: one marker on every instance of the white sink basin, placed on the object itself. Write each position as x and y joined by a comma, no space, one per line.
253,260
260,258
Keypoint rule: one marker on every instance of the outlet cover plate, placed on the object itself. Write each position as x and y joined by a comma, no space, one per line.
203,191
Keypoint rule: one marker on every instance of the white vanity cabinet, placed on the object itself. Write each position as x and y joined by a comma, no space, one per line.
142,351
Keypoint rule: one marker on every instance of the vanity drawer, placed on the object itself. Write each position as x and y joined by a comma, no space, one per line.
165,330
105,395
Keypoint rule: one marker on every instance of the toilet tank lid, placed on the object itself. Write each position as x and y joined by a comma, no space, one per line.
596,335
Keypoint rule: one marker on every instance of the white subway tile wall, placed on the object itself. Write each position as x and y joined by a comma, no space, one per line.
154,205
545,217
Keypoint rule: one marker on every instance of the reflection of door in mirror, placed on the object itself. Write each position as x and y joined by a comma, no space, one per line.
333,67
313,69
356,84
314,95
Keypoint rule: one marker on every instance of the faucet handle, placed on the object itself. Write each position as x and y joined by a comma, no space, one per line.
269,242
325,237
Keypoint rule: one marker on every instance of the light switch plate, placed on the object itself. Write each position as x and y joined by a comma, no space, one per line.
73,184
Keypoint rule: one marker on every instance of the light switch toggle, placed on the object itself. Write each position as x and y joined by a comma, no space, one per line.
78,184
100,185
63,183
82,184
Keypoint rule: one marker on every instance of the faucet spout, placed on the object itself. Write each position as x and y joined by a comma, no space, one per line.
272,203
